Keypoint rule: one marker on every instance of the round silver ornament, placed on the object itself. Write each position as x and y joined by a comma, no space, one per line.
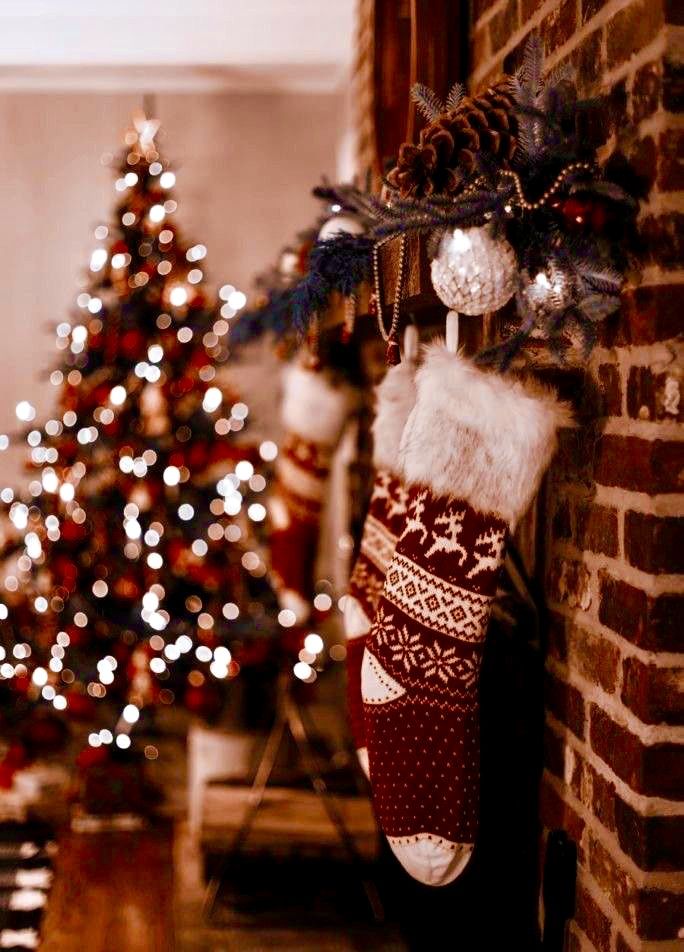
548,292
339,224
474,272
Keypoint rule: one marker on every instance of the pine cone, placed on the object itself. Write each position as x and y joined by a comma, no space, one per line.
447,147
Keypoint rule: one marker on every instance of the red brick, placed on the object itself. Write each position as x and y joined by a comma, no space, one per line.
673,85
655,543
622,945
652,913
479,8
556,814
593,657
631,29
478,46
591,919
587,59
566,703
606,115
613,880
624,608
674,13
603,799
650,623
556,639
574,458
648,466
649,313
659,914
559,25
656,695
671,174
665,623
646,91
503,25
530,7
590,8
513,59
653,396
662,238
568,582
610,390
561,525
643,156
596,528
653,842
655,770
554,752
616,746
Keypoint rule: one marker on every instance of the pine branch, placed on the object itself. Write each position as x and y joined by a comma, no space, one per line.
456,94
428,102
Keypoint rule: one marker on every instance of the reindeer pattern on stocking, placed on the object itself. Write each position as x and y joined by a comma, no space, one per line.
453,540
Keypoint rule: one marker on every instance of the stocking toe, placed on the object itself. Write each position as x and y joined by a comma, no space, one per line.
431,862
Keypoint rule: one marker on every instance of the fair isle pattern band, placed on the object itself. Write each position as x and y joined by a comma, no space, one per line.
436,603
378,543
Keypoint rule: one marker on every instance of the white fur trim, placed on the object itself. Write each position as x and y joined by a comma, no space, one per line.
356,621
479,436
312,407
430,859
395,396
289,599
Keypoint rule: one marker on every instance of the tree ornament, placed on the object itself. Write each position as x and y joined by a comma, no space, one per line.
548,292
339,224
474,272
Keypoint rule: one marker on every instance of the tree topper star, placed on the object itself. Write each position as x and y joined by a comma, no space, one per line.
146,128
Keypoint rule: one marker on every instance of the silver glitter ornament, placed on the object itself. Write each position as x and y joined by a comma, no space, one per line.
548,292
474,272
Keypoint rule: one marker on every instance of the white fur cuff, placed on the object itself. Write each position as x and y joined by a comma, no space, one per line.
395,396
479,436
312,407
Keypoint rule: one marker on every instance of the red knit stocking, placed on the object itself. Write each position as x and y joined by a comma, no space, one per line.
383,525
314,414
473,453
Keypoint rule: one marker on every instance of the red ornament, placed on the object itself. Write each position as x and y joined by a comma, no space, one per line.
44,734
73,531
92,757
133,344
81,707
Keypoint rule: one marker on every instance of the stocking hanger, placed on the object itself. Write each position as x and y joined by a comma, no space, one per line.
452,332
411,343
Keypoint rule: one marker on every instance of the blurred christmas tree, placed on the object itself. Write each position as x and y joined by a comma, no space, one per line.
133,571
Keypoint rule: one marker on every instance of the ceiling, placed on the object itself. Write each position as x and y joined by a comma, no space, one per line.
248,45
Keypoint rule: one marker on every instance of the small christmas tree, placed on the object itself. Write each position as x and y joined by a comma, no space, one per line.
133,565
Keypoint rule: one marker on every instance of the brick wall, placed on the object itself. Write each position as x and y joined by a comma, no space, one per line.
614,756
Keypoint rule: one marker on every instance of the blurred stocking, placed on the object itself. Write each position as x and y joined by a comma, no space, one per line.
314,413
472,455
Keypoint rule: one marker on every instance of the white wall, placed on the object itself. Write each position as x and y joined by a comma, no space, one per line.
245,165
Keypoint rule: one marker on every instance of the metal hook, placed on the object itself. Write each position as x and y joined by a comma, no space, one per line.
410,343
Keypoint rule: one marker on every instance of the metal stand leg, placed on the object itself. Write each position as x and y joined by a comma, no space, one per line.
288,714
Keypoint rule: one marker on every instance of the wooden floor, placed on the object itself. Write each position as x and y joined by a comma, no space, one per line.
143,892
113,892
